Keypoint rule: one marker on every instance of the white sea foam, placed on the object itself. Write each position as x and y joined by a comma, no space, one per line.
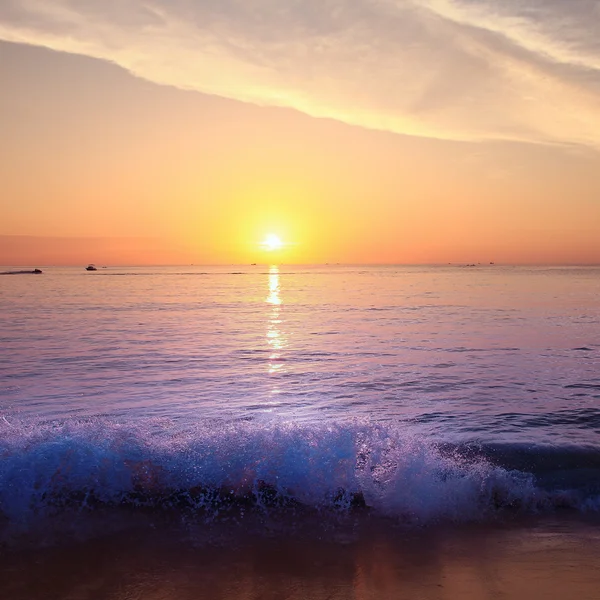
209,466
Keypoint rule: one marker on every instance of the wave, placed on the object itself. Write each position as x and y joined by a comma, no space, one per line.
211,467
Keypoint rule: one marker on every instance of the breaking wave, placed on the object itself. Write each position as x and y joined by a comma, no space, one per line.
212,467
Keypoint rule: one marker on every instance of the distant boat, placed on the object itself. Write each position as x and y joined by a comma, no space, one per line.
34,272
91,267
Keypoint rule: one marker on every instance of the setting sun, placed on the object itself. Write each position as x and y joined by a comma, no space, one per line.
272,242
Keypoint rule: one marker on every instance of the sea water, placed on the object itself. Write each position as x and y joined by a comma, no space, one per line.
422,395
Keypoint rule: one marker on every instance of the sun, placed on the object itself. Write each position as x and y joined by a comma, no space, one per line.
272,242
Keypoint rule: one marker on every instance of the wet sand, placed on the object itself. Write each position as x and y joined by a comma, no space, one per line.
551,559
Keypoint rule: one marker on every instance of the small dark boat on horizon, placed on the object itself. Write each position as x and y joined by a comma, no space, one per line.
91,267
34,272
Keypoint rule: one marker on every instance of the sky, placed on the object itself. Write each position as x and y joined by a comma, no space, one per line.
358,131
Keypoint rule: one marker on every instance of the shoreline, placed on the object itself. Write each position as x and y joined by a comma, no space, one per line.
545,557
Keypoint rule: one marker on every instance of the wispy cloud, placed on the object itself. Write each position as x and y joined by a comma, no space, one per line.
454,69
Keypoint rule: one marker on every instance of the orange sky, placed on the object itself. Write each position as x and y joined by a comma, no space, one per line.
98,165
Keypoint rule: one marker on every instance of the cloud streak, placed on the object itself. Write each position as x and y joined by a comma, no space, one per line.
468,70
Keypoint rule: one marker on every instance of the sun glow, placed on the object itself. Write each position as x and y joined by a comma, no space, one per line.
272,242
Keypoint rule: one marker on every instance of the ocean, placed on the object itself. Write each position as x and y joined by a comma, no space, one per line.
224,423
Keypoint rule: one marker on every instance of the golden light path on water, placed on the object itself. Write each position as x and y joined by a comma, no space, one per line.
275,338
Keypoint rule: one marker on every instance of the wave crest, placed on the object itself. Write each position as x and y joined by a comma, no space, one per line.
212,467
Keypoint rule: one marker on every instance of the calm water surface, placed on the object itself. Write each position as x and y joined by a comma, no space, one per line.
487,352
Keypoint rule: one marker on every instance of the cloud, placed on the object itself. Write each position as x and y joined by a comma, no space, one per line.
453,69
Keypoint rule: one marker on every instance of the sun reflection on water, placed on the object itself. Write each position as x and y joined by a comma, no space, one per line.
275,338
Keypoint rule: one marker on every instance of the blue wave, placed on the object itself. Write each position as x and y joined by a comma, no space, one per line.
338,466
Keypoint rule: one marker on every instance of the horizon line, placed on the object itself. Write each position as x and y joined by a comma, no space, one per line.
314,264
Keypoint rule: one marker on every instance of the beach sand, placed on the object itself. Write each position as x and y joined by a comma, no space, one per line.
551,559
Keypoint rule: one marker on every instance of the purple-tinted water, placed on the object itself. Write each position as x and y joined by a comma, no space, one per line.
418,392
